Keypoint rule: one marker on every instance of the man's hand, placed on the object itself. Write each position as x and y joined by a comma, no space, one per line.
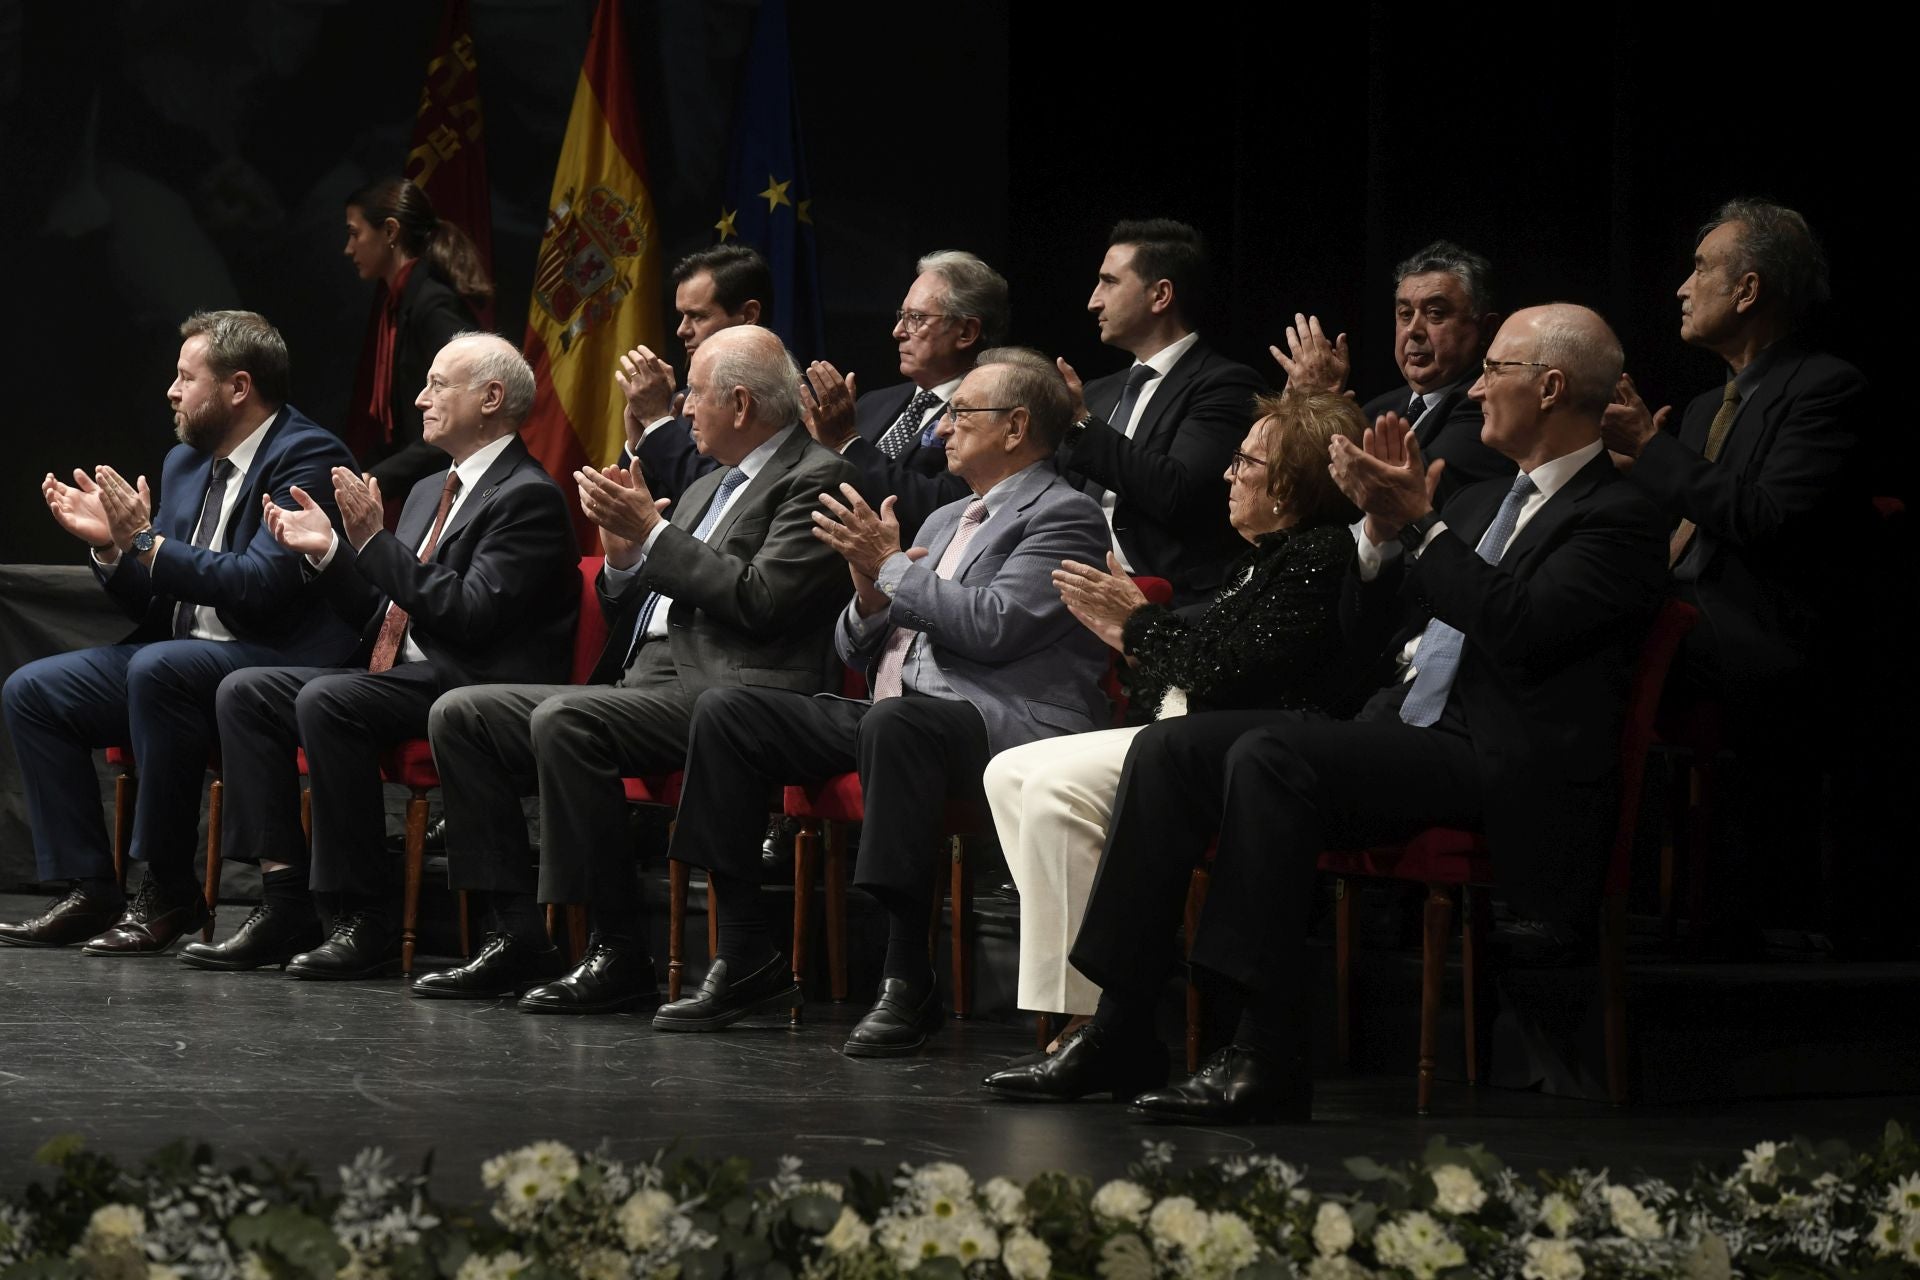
617,499
863,537
1626,426
826,405
1385,477
1102,601
647,382
128,507
1311,362
362,512
868,598
305,529
76,508
1075,388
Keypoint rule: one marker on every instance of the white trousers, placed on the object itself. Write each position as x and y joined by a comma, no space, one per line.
1052,801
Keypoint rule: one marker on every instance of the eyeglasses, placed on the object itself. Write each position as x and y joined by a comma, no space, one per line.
953,411
1491,367
1243,460
915,321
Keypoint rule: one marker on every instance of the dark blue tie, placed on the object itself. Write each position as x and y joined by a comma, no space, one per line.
734,478
1137,377
203,535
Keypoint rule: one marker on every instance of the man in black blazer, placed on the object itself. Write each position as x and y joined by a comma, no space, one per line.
1443,317
1530,601
735,590
1151,444
956,308
1766,488
211,592
475,584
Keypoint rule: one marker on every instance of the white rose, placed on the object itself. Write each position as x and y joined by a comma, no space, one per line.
1635,1220
113,1223
1456,1190
847,1234
1552,1260
1026,1257
1228,1245
643,1218
1122,1201
1558,1214
1332,1229
1006,1201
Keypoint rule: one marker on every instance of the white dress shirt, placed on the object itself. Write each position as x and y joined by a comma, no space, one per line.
206,624
1162,362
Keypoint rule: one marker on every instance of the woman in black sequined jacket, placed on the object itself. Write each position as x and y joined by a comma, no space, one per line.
1270,637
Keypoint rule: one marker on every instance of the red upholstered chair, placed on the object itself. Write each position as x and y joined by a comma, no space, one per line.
123,787
1444,860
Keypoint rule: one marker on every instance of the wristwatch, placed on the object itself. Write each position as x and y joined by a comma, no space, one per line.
1078,429
1414,534
143,541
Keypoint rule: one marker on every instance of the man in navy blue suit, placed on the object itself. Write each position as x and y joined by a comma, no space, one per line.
210,592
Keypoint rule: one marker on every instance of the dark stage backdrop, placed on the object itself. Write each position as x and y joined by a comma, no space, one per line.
160,157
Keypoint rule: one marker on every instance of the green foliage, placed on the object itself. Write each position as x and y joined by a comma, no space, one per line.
299,1240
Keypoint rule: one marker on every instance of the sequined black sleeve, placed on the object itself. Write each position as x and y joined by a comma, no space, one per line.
1265,640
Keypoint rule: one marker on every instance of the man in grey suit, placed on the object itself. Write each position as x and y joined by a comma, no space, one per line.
968,650
734,591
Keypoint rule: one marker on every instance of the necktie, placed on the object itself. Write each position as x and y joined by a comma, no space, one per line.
1716,439
1416,408
893,659
1438,656
906,427
386,646
734,478
203,534
1137,377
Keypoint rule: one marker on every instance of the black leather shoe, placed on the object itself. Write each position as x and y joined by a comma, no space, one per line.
1088,1061
504,966
898,1024
776,850
1236,1086
607,980
274,934
152,922
68,920
722,1000
1537,944
362,945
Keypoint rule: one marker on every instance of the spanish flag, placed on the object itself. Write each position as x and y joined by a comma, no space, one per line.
596,284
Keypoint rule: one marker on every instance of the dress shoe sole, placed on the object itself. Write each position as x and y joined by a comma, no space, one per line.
783,1001
1118,1092
861,1049
36,944
133,952
509,991
222,964
384,969
639,1001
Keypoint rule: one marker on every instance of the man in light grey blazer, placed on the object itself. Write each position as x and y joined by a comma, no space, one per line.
968,650
734,590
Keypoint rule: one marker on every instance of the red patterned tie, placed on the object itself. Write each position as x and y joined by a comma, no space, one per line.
386,649
893,659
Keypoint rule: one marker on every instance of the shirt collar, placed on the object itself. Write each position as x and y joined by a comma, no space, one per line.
475,467
751,464
244,452
1168,356
946,389
1000,492
1550,477
1428,399
1749,378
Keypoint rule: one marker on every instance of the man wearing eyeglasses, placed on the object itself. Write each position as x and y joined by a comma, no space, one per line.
968,650
956,308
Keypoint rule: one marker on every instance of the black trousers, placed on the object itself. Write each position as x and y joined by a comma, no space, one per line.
912,753
1278,788
344,719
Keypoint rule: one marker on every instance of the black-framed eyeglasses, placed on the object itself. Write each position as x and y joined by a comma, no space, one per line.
953,411
1491,367
1241,460
915,321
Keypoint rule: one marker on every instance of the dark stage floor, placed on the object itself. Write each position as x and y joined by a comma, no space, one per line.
131,1053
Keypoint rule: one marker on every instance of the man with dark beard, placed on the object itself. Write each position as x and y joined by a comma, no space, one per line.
210,592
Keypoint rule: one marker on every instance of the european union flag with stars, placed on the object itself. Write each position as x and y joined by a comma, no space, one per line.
769,203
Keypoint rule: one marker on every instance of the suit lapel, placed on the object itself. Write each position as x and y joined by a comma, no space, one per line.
1558,509
1752,425
239,518
1024,493
779,464
1168,388
503,466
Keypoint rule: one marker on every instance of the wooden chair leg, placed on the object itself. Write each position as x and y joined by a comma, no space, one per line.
713,921
553,923
416,857
306,816
1613,989
806,858
1343,971
962,897
466,924
1197,887
122,826
677,875
1042,1031
835,875
576,932
1433,966
214,798
1474,934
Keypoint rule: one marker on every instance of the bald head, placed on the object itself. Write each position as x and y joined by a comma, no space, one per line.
742,387
1550,373
479,389
1580,345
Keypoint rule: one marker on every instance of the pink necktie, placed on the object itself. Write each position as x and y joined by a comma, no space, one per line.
893,659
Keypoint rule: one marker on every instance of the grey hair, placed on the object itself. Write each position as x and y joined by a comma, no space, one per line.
772,382
1032,382
973,289
243,340
1776,243
1474,272
497,360
1579,343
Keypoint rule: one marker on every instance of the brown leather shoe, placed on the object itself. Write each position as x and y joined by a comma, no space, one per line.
74,918
153,922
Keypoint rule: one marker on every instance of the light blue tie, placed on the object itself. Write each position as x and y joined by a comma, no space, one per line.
734,478
1438,656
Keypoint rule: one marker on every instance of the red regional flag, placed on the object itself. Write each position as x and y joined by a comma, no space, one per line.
448,159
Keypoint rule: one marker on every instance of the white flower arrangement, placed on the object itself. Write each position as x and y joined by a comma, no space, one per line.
1122,1201
1456,1190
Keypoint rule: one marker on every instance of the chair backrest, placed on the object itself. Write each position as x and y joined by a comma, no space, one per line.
590,633
1157,591
1670,627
